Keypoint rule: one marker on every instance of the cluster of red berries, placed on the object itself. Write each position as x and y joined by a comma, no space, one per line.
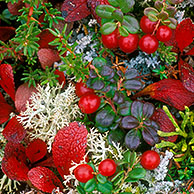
89,102
147,43
84,172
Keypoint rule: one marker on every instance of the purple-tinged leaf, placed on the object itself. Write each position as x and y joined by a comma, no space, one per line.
125,108
118,98
131,73
137,109
129,122
132,84
148,110
98,84
132,139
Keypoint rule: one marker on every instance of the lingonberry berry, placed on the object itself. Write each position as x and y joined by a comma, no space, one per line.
147,25
150,160
148,43
82,89
83,173
128,44
107,167
89,103
163,33
111,40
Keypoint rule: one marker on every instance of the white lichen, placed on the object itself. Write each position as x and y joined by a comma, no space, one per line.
49,110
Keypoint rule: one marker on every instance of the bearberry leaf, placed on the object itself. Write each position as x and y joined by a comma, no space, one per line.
36,150
97,84
137,109
123,31
44,179
5,110
131,73
105,11
118,97
70,144
102,179
184,33
99,62
150,135
108,28
74,10
150,10
129,122
7,80
14,131
131,24
132,139
105,117
163,15
125,108
169,91
126,5
137,173
187,75
132,84
164,123
106,71
148,110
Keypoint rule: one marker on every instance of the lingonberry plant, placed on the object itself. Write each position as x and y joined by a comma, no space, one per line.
96,96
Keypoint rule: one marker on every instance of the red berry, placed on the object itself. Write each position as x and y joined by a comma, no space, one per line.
107,167
82,89
148,43
89,103
150,160
146,25
163,33
83,173
128,44
111,40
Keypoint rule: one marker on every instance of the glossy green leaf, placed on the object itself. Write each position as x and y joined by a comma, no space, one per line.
80,190
152,17
137,173
105,11
99,62
116,136
90,185
114,3
127,156
131,24
118,175
123,31
102,179
149,10
118,15
163,15
105,188
108,28
133,156
126,5
105,20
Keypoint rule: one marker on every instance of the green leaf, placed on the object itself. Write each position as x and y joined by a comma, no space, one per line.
118,15
131,24
123,31
163,15
116,136
108,28
80,190
127,155
137,173
126,5
132,158
105,20
114,3
117,175
152,17
102,179
150,10
90,185
105,11
105,188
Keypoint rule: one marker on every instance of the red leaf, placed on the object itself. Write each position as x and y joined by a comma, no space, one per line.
69,145
74,10
14,131
23,94
5,110
187,75
7,80
14,169
45,37
15,7
44,179
6,33
92,4
17,150
47,162
47,57
184,33
61,77
169,91
190,52
165,124
36,150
